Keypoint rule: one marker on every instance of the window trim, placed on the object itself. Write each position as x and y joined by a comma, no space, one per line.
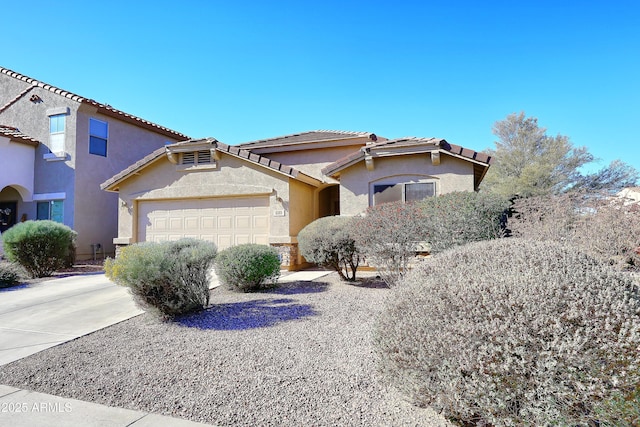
50,213
99,137
57,153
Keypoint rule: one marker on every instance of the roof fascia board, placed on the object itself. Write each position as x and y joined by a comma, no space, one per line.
113,187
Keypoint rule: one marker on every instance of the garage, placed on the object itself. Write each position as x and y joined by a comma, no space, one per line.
225,221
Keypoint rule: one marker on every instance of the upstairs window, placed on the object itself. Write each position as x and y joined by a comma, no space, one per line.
98,134
56,133
405,192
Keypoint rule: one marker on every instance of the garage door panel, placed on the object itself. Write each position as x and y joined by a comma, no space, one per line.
176,223
208,222
243,222
226,222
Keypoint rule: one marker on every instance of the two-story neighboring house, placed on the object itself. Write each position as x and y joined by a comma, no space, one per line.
56,148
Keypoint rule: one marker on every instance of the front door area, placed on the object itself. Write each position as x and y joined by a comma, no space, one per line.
8,212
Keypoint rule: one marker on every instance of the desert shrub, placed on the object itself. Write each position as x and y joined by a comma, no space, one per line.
168,278
328,242
513,332
248,267
600,225
40,247
388,235
455,219
10,274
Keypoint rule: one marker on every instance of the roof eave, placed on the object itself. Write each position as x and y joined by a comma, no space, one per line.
113,183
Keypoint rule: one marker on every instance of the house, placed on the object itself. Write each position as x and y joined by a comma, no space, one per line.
266,191
56,148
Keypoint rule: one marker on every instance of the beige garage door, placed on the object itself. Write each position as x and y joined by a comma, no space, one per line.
224,221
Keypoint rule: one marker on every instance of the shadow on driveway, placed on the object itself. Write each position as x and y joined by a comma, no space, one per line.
248,315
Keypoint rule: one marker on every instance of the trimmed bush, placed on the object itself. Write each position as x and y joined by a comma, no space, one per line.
328,242
249,267
388,236
167,279
598,224
40,247
514,332
10,274
458,218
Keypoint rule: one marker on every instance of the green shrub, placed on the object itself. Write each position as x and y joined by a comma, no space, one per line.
248,267
388,236
328,242
40,247
458,218
10,274
599,225
167,279
513,332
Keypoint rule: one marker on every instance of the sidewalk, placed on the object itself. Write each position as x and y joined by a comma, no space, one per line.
21,408
53,312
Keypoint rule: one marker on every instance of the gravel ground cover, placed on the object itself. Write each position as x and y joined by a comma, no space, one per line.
298,355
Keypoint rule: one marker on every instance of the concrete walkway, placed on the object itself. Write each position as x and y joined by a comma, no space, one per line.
36,317
39,316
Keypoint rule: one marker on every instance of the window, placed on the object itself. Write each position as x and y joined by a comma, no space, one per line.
196,158
98,133
56,133
406,192
52,209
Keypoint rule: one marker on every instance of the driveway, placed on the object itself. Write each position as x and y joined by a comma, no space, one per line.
38,316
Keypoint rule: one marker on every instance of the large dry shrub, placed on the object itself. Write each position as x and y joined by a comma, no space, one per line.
329,243
514,332
168,278
388,235
598,224
462,217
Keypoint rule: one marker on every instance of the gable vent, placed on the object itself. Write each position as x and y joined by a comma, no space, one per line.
188,158
204,157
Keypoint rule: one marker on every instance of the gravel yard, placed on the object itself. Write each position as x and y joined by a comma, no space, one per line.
298,355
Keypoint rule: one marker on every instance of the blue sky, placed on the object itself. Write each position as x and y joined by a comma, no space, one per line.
246,70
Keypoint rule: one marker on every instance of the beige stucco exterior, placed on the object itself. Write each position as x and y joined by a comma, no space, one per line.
231,177
452,174
297,193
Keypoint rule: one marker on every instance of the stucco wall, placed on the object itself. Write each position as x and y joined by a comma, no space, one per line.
312,161
302,206
32,119
452,174
87,209
163,180
96,210
16,166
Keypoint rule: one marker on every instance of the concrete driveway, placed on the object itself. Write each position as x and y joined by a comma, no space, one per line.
36,317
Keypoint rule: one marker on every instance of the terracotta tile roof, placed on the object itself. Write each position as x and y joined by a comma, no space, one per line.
15,135
306,137
426,144
102,108
224,148
257,159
